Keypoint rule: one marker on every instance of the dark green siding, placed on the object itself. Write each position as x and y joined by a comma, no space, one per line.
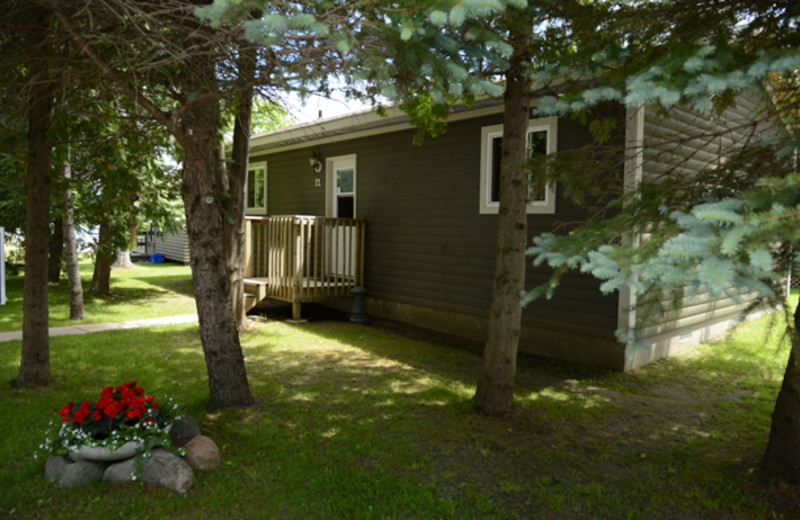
290,185
427,244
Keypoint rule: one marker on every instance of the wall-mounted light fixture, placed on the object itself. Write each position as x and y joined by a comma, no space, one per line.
314,162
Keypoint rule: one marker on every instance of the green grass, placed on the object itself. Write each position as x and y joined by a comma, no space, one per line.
357,422
143,291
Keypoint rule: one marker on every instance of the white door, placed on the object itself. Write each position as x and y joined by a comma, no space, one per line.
341,178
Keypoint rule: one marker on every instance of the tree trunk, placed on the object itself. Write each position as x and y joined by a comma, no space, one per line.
34,369
101,278
495,390
123,258
56,251
233,226
71,251
782,458
227,378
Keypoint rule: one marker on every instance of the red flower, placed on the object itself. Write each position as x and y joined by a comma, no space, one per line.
112,409
124,404
80,415
65,410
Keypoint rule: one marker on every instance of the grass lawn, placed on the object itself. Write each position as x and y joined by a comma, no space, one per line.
359,422
143,291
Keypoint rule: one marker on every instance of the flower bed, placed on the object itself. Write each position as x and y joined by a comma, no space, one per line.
122,415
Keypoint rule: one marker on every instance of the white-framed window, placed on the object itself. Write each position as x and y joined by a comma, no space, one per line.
542,139
257,188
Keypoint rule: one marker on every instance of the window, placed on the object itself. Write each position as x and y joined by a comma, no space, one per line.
257,188
541,140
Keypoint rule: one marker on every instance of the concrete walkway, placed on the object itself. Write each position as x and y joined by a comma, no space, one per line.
100,327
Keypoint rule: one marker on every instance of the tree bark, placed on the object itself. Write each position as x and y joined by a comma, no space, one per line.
233,226
494,394
34,369
782,457
123,258
101,278
227,378
56,251
76,311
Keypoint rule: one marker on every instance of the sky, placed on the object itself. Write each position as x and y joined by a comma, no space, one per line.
309,110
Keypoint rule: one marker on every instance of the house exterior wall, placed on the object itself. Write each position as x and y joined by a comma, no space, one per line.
682,143
430,254
174,246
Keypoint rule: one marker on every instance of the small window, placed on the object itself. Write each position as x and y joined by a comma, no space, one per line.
541,140
257,188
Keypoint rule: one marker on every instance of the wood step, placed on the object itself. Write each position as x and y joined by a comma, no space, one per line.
250,301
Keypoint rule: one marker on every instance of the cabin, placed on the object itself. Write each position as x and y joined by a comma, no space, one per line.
350,202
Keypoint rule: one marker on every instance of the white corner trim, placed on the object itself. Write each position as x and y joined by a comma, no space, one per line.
634,152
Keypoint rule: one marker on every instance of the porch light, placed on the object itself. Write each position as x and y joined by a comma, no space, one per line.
314,162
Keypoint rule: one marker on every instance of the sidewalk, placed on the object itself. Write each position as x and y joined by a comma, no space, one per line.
100,327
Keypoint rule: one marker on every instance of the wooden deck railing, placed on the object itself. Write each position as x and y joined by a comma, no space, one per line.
302,259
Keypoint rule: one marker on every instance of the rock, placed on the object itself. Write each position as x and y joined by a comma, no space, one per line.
183,430
202,453
66,473
168,470
54,467
121,471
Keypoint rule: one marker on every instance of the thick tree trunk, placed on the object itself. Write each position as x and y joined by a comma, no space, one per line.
123,258
101,278
495,390
227,378
237,187
782,458
56,251
71,251
34,369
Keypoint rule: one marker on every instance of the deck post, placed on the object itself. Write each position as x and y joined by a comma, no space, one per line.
248,248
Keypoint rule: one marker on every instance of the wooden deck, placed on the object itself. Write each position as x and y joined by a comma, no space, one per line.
301,259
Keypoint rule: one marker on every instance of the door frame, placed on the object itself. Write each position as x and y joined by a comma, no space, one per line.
331,163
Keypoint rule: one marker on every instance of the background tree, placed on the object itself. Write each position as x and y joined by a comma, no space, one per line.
265,115
76,311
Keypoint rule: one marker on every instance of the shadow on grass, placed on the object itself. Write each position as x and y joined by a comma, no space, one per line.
680,436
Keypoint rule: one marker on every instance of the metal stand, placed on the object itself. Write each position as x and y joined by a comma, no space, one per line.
359,313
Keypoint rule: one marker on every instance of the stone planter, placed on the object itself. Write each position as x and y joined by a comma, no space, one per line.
103,454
